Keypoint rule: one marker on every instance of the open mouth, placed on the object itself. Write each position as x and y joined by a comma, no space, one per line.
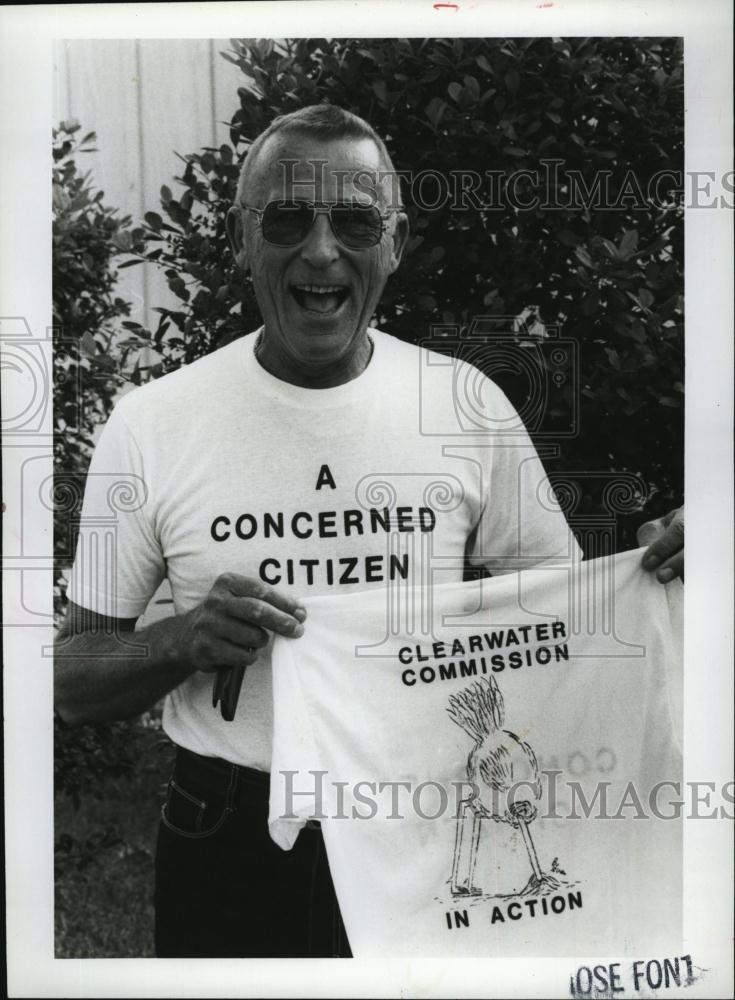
321,299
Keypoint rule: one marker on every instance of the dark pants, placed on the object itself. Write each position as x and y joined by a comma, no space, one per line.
223,888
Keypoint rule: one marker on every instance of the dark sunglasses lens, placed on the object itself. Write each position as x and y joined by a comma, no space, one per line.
286,223
357,227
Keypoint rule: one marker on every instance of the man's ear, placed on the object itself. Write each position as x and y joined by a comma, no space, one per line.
400,238
236,236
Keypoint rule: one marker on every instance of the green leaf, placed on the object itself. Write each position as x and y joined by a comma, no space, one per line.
612,356
472,86
610,248
583,257
87,344
123,240
380,90
512,81
567,238
629,242
435,110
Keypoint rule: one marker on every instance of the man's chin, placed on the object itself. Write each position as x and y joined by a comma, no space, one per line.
311,335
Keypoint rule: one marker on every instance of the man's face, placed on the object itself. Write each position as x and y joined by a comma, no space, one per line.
317,297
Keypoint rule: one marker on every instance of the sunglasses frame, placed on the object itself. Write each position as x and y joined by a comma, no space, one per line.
320,208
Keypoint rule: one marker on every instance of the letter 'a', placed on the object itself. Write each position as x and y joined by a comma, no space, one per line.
325,478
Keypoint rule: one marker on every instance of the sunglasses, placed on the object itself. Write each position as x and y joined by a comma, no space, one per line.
287,223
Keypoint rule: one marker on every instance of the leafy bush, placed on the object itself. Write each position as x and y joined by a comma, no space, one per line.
611,280
89,357
104,854
89,363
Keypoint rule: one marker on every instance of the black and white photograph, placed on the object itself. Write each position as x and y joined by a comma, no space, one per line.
345,463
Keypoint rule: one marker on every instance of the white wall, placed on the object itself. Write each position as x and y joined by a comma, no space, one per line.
147,100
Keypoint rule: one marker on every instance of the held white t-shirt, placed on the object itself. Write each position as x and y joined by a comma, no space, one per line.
495,765
220,467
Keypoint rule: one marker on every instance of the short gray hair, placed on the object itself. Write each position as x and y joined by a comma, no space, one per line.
324,121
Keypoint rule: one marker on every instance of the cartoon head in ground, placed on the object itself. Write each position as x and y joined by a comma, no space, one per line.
502,768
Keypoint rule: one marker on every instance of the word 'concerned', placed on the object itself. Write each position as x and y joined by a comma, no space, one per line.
324,524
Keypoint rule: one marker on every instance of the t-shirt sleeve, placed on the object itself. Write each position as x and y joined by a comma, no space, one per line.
521,524
118,563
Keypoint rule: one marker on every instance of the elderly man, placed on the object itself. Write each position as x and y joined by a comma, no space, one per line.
288,463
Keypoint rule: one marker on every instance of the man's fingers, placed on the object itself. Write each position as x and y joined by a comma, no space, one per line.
240,632
671,568
221,653
669,528
666,551
668,518
258,604
650,531
263,615
246,586
666,545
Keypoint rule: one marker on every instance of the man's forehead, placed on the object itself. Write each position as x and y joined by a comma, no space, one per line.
308,167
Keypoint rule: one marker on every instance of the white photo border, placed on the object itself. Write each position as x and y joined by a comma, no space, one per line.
27,35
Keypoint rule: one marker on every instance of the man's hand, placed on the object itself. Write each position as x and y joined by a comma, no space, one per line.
233,622
665,540
104,671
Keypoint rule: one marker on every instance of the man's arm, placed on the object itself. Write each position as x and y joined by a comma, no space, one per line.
104,671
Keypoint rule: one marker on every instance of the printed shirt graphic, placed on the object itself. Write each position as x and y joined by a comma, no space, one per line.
221,467
495,773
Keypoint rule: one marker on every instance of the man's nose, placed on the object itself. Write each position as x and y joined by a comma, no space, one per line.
320,247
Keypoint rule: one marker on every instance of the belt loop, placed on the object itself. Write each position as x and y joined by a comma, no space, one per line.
232,788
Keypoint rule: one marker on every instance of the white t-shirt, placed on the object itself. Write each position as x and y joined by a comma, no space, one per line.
220,467
452,751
